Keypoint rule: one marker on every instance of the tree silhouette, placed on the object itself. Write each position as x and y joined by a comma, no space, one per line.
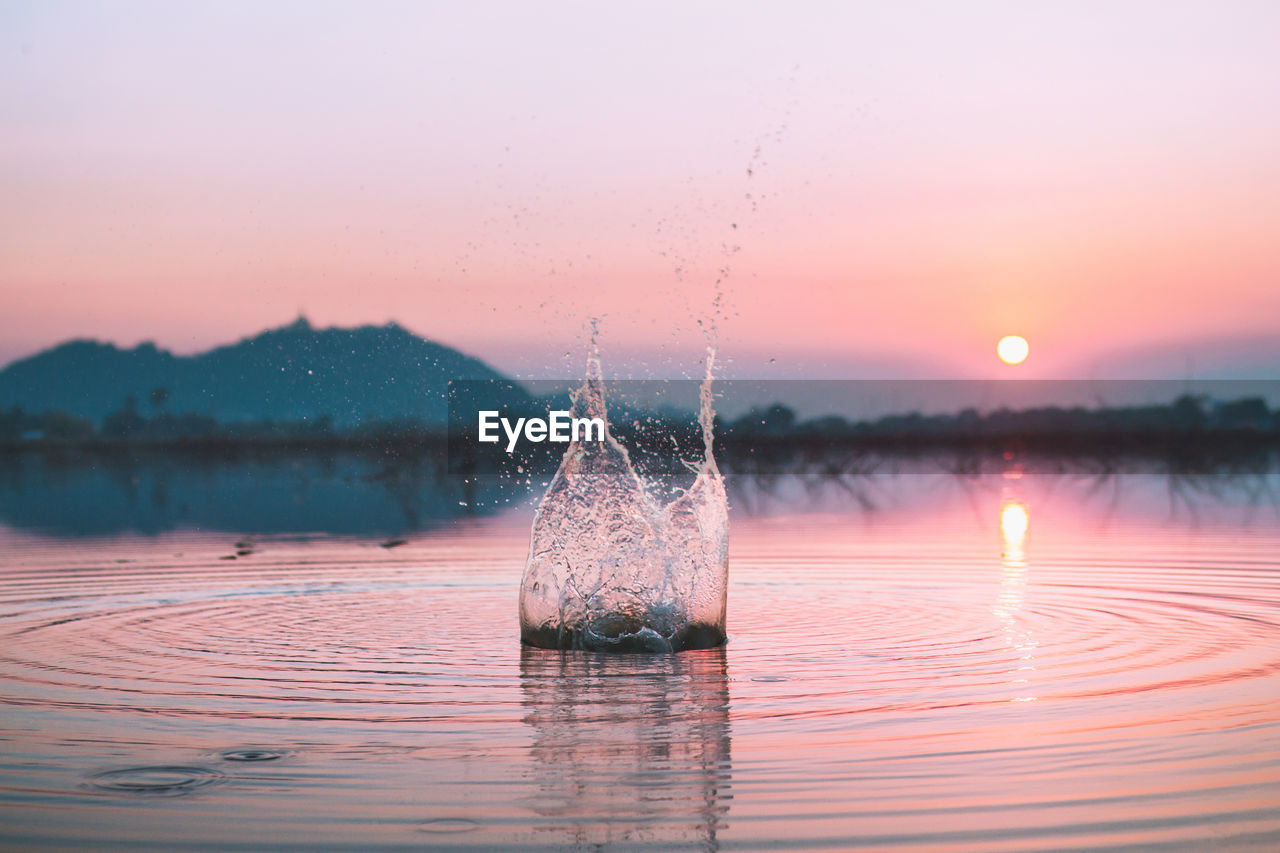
159,396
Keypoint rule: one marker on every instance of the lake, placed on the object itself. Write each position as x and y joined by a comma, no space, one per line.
915,662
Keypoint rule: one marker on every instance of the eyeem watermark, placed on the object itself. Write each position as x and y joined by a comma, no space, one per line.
561,427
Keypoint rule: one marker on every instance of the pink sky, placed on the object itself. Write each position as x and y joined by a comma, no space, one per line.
924,178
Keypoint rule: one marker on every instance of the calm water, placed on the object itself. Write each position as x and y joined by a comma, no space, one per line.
915,663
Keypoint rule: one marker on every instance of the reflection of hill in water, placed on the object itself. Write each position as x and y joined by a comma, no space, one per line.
629,750
370,492
346,493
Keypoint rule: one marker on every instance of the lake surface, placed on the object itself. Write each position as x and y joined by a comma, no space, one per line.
914,663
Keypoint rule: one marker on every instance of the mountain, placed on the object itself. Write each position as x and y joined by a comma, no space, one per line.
293,373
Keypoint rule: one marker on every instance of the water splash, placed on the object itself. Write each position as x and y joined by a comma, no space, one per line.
610,567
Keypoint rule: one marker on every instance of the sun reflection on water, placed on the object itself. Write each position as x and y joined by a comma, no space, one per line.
1014,522
1013,532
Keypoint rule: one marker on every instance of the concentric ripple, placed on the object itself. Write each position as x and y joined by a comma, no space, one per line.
253,754
905,682
449,825
162,781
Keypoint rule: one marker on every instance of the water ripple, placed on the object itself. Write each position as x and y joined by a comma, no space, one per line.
911,687
160,781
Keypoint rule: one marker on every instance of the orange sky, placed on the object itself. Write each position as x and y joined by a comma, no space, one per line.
892,186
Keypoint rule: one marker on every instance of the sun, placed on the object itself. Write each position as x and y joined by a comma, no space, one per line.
1012,349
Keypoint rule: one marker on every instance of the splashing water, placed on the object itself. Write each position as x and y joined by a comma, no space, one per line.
610,567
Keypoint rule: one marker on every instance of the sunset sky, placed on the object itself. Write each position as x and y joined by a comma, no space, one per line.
892,187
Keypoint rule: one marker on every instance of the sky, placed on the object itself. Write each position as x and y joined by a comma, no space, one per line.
854,190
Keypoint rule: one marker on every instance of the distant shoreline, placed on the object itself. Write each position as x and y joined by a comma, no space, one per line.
1190,450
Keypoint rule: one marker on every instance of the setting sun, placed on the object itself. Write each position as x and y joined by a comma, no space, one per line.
1012,349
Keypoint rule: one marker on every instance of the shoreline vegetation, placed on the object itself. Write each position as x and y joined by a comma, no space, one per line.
1191,426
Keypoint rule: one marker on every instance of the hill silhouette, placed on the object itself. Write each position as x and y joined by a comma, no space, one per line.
351,377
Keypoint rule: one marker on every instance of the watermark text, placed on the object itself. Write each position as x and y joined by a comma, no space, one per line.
561,427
